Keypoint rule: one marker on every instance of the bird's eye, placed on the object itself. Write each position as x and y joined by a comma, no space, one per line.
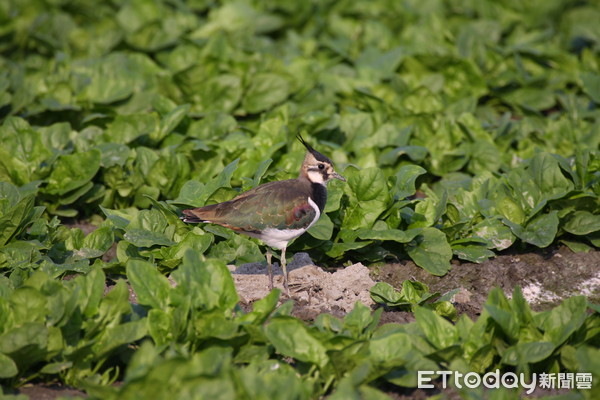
321,166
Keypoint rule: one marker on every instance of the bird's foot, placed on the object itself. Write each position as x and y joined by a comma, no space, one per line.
287,288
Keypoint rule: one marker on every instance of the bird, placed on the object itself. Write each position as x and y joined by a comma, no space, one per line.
275,212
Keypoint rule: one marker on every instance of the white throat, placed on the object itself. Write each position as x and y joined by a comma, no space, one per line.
316,177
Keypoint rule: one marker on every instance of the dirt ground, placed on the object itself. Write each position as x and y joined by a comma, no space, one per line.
546,277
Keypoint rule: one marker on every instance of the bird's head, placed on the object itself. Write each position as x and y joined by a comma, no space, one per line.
316,167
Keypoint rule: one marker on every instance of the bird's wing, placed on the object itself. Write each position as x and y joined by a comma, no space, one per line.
279,205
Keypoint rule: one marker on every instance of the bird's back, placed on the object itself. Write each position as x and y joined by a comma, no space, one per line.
274,205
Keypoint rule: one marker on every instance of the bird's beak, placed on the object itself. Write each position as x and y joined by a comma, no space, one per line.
338,176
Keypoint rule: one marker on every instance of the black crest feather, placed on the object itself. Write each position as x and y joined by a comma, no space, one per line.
318,156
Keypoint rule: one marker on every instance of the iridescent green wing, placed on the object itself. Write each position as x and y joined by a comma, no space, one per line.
278,205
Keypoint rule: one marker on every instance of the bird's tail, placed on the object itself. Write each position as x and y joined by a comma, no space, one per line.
192,216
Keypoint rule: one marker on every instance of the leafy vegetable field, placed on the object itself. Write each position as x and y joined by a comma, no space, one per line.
464,128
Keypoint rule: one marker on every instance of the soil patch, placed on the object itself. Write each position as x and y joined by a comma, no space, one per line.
50,391
545,278
313,290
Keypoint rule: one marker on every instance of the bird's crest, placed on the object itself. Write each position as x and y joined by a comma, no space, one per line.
318,156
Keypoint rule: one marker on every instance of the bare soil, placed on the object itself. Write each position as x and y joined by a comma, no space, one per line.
545,277
49,392
313,290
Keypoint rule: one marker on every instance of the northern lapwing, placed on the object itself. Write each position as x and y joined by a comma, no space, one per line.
275,212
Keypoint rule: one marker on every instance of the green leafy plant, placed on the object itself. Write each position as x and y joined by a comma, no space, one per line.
193,334
413,294
463,131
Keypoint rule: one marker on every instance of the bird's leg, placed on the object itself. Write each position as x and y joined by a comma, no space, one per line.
285,273
270,267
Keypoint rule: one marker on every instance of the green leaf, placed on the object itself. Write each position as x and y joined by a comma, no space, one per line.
495,232
476,253
170,121
126,128
160,326
73,171
114,77
8,368
431,251
191,240
113,154
509,208
527,353
531,98
196,194
265,91
369,197
338,249
359,322
146,238
27,340
57,367
582,223
384,293
150,286
9,197
395,235
499,309
273,380
190,192
521,308
119,218
405,180
428,212
367,184
591,85
168,212
221,93
547,175
238,249
208,282
74,195
14,217
260,171
92,285
262,308
439,332
539,232
322,229
415,153
291,338
415,292
588,358
444,309
148,228
118,335
565,319
97,243
577,247
391,346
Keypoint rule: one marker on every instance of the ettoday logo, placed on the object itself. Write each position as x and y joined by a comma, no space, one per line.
495,380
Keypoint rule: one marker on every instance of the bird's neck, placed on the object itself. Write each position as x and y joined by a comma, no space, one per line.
319,195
